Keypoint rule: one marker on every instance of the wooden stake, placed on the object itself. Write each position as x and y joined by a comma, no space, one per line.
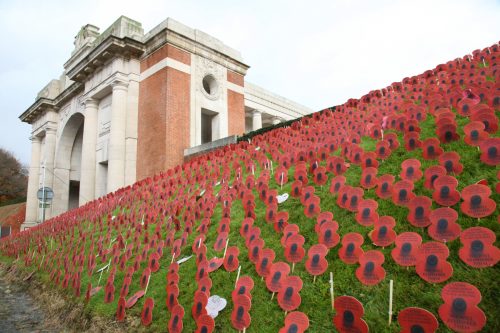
225,249
331,290
147,285
272,296
314,279
293,267
173,254
237,276
100,276
391,285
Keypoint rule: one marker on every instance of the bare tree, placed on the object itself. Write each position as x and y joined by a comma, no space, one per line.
13,178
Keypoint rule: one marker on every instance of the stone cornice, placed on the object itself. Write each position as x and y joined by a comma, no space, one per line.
106,50
42,104
169,36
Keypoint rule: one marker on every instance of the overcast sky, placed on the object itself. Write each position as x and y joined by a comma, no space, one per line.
317,53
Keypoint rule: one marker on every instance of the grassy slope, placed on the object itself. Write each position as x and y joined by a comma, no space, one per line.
410,289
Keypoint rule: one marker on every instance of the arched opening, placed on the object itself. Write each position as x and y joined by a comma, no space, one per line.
67,168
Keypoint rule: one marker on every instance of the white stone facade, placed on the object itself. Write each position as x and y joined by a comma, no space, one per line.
85,124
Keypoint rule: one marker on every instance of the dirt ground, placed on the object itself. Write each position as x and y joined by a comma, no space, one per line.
26,305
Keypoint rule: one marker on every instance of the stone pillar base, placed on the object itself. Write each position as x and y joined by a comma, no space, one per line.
26,225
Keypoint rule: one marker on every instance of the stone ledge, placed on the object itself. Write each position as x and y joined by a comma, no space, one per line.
192,152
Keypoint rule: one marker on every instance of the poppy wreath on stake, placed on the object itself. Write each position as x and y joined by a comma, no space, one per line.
296,321
476,201
240,316
384,186
383,234
351,248
411,170
175,324
431,262
478,248
337,183
370,272
406,251
327,234
460,311
369,177
289,295
349,313
445,193
367,212
431,174
443,226
419,210
199,304
417,320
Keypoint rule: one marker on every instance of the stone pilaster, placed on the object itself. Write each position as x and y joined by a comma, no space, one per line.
256,120
88,166
33,184
116,148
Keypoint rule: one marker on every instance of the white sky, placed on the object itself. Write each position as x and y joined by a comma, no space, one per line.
317,53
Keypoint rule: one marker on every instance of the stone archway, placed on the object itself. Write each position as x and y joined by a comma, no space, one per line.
67,169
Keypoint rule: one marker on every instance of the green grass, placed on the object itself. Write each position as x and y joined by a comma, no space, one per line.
409,288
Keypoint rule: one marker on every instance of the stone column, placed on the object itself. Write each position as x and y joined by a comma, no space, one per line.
48,160
276,120
33,183
116,148
256,120
88,167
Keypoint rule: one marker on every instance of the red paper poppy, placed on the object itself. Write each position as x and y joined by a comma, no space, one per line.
312,207
120,309
412,141
351,248
294,250
289,230
488,118
175,324
406,250
336,184
382,234
447,132
414,320
254,249
327,234
288,297
244,286
431,174
336,165
214,264
383,149
246,226
125,286
450,161
240,317
479,250
319,176
109,292
445,193
205,324
402,192
271,212
231,261
367,212
420,208
431,262
369,160
348,315
369,177
154,262
316,263
392,138
370,272
443,227
202,270
475,133
322,218
281,221
477,202
411,170
132,300
355,195
301,175
147,311
431,149
253,234
281,175
307,193
199,304
384,186
277,273
464,107
172,296
204,285
460,311
490,151
296,190
296,321
263,265
343,196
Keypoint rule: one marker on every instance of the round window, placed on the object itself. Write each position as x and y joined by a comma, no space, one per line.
210,85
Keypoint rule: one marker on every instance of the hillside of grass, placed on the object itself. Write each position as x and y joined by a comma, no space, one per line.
164,214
